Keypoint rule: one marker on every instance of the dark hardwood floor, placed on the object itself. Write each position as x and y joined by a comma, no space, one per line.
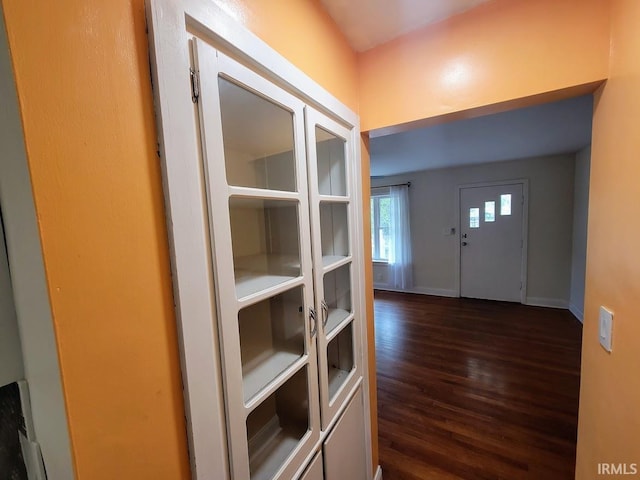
474,389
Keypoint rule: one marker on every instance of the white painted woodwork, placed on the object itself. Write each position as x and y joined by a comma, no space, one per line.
491,255
330,159
344,453
314,470
269,427
257,244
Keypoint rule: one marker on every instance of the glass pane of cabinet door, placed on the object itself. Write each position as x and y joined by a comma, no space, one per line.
258,139
330,159
331,165
256,181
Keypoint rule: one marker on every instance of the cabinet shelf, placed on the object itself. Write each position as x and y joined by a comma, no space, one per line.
277,426
334,198
340,359
255,273
272,338
258,375
334,231
337,378
336,317
265,243
329,260
249,283
337,294
280,442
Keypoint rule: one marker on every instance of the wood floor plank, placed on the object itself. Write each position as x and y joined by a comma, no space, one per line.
473,389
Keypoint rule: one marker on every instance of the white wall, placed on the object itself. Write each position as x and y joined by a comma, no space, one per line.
40,356
432,197
580,214
11,368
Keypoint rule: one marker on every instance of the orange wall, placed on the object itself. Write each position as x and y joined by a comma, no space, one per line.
500,51
83,83
609,425
306,35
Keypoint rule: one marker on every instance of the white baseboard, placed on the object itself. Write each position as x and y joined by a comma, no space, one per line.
378,475
547,302
438,292
579,314
532,301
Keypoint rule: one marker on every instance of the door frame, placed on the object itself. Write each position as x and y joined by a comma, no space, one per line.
172,25
525,231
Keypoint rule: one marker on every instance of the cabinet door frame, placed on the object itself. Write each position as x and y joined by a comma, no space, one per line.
339,451
172,24
331,406
212,65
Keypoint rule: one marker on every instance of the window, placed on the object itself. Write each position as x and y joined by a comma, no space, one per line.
381,227
391,233
490,211
505,204
474,217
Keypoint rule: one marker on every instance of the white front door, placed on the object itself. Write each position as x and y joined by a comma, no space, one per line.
491,242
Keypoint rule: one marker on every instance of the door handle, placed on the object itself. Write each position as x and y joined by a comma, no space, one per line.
313,322
325,313
464,244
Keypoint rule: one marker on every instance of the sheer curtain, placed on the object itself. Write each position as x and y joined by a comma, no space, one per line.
400,271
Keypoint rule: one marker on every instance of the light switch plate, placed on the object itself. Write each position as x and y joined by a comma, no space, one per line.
605,328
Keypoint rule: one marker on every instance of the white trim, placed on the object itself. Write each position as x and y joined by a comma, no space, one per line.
211,65
547,302
578,313
531,301
525,230
358,273
171,25
378,473
189,240
436,292
316,119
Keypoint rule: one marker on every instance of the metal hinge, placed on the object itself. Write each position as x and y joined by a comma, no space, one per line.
195,85
520,285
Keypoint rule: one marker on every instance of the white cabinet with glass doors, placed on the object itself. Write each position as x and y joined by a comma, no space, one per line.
278,178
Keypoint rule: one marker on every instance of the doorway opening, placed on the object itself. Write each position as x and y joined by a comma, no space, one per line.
547,145
498,212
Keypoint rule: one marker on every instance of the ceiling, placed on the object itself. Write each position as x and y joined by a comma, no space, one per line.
367,23
548,129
